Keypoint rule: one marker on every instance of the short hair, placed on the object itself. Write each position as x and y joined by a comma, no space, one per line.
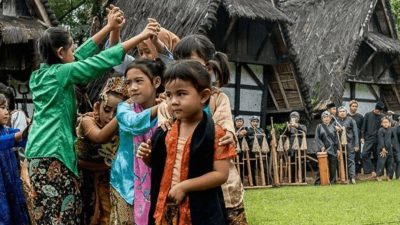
188,70
3,99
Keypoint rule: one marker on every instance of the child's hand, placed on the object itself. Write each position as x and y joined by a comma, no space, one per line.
144,150
150,30
115,18
129,101
383,153
227,139
166,125
177,193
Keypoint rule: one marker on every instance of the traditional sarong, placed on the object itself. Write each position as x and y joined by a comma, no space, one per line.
121,212
56,197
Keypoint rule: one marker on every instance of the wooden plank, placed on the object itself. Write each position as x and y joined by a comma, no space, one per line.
278,79
396,92
372,90
237,88
273,97
230,29
366,64
262,45
264,100
297,85
41,11
385,11
253,76
387,67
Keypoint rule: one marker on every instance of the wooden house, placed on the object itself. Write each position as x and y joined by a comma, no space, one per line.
344,50
263,81
21,22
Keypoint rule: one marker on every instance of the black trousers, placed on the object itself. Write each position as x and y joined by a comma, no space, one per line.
368,151
385,163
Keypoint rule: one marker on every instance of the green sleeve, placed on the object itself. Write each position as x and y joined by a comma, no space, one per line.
86,50
84,71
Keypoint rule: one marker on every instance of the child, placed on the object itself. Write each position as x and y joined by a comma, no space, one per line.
327,141
12,201
137,123
187,163
96,145
386,136
50,150
201,49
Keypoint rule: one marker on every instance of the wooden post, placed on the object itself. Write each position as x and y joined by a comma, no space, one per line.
237,88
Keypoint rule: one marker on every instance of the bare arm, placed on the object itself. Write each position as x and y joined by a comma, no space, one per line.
96,134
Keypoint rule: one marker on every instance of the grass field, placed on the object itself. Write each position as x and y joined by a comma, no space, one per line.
363,203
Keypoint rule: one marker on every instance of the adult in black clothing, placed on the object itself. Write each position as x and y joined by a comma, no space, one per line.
331,107
327,141
353,105
369,131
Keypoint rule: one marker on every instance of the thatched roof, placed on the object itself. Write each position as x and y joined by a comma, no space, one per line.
184,17
15,30
255,9
323,39
383,43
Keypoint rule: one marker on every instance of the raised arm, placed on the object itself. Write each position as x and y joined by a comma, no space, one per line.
96,134
135,123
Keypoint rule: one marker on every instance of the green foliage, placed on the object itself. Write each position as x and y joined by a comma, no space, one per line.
279,128
363,203
76,15
395,4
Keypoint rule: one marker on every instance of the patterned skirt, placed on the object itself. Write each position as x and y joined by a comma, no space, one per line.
121,211
236,215
56,194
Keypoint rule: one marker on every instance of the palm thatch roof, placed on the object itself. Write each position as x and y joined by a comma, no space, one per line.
321,39
324,41
14,30
185,17
383,43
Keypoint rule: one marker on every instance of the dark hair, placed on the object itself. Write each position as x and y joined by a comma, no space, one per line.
205,49
52,39
385,118
3,99
8,94
152,69
188,70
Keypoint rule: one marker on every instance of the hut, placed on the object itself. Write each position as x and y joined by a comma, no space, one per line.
21,22
263,79
344,50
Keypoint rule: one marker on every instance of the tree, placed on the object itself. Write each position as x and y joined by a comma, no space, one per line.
76,15
396,11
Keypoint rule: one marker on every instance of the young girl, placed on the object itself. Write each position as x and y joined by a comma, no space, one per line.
96,145
12,201
201,49
386,137
188,165
50,150
327,141
130,177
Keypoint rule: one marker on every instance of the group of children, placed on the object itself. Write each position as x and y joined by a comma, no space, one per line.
156,149
378,133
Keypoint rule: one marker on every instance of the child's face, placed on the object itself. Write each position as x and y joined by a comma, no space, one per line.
107,109
147,50
140,88
4,114
184,100
239,123
385,123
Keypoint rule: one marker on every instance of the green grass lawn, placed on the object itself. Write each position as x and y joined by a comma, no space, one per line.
363,203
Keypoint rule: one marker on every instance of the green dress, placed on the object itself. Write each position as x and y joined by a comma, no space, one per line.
53,94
